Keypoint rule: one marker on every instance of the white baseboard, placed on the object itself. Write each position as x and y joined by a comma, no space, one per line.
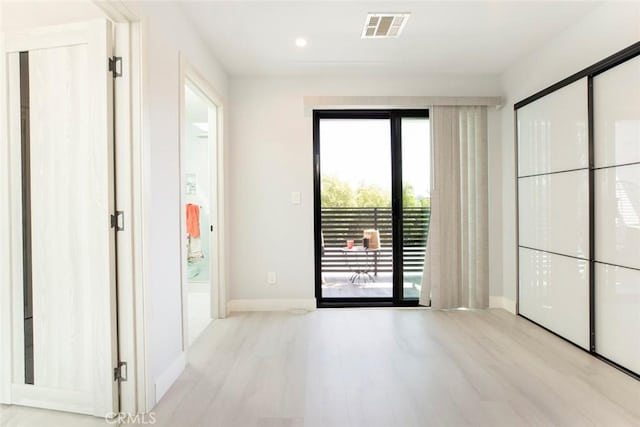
495,302
502,302
170,375
236,305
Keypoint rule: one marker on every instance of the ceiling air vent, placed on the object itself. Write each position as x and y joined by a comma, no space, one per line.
384,25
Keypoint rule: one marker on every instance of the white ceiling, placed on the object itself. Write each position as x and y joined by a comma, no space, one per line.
257,38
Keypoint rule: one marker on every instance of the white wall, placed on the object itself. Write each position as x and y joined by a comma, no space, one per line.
166,34
608,29
271,156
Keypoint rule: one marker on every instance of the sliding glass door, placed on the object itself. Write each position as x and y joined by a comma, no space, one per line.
372,201
416,201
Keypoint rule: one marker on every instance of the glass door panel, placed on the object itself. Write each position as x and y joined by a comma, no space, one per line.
356,216
416,201
372,205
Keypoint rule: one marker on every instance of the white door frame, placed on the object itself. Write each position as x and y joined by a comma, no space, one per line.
133,296
134,300
5,228
188,74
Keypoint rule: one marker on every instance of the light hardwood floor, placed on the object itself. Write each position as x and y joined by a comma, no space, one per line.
391,368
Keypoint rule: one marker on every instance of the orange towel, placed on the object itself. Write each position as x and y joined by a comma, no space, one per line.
193,220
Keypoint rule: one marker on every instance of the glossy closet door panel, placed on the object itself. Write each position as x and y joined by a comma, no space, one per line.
617,115
554,292
553,132
554,213
617,215
618,315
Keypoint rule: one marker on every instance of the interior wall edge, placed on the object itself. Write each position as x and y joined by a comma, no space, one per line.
498,301
166,379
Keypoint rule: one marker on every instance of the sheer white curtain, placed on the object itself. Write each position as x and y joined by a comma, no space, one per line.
456,269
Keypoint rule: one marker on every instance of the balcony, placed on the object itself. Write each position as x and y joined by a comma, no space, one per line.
338,266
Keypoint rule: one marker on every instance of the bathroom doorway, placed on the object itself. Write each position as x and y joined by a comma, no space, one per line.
200,207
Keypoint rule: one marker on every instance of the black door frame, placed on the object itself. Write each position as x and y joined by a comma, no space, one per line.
395,119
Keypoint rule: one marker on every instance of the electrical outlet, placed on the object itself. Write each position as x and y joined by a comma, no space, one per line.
271,278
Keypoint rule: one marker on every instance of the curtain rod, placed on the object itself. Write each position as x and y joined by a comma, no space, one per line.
341,102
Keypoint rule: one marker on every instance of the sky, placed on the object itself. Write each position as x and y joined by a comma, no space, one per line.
359,151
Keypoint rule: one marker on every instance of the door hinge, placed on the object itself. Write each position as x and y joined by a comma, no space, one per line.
115,66
117,221
120,372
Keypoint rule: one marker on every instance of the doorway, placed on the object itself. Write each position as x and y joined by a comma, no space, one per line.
372,183
200,207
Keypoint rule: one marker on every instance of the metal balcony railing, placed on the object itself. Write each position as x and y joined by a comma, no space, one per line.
342,224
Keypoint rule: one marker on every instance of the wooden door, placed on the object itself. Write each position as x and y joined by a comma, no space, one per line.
62,198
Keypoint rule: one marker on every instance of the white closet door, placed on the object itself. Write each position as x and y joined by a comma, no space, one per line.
617,213
554,292
618,315
553,132
72,253
553,212
617,115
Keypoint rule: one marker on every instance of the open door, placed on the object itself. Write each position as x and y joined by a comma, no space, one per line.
63,237
199,154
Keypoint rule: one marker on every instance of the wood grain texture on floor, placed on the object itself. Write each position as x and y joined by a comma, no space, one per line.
384,367
394,368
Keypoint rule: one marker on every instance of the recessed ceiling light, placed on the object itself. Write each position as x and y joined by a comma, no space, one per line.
300,42
384,25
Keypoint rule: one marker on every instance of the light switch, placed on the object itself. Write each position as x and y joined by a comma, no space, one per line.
271,278
295,197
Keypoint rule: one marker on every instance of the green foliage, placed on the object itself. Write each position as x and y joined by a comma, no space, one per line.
337,193
372,196
425,202
410,200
